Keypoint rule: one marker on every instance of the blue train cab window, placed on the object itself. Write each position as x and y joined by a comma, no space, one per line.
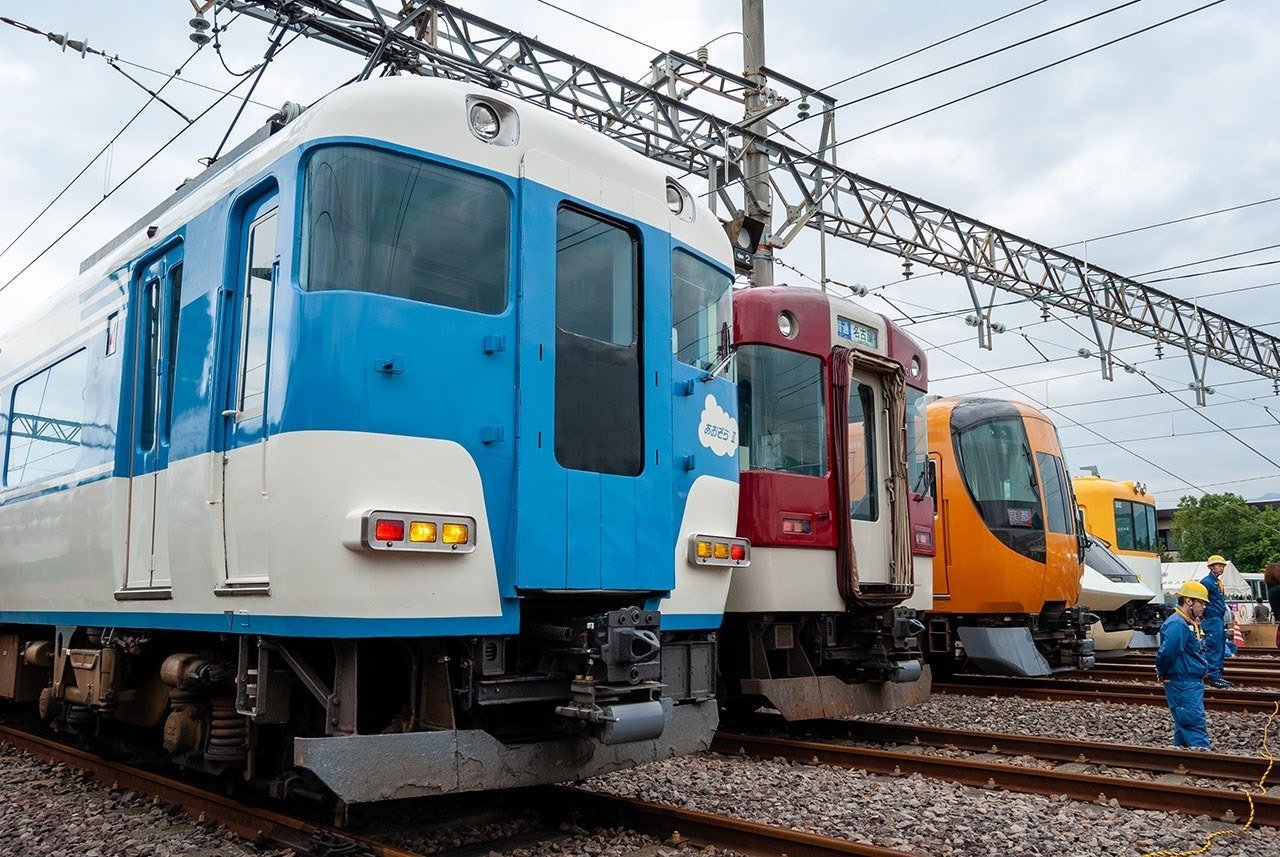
598,394
45,428
701,302
393,225
781,411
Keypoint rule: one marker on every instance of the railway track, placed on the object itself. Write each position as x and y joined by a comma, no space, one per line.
1224,804
1083,690
1164,760
1247,676
263,826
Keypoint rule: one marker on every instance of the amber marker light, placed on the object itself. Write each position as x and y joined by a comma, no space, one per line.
422,531
455,534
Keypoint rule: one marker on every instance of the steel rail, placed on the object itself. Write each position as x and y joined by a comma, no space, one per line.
1223,804
1253,677
706,828
1222,766
252,823
1069,690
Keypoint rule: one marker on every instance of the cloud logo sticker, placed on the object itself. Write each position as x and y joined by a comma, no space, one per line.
717,431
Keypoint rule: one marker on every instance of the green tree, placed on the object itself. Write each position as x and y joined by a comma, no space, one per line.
1225,524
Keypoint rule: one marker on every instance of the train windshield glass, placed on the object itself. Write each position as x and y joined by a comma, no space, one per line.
995,459
393,225
1135,527
700,305
781,411
917,442
863,499
1110,566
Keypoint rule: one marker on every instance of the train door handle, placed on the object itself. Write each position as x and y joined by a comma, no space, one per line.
232,412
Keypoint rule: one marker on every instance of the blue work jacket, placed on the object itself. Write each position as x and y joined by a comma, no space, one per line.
1181,655
1217,608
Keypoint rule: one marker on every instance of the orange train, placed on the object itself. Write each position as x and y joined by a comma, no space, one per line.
1010,549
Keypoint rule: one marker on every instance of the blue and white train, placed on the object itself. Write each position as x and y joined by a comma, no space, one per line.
385,454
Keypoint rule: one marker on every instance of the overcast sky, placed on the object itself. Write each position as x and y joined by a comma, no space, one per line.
1174,122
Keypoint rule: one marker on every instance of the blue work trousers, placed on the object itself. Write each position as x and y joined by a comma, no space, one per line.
1215,646
1186,704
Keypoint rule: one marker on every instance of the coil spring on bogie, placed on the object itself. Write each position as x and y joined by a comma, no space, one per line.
228,732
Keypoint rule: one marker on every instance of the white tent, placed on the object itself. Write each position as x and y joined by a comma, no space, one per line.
1174,574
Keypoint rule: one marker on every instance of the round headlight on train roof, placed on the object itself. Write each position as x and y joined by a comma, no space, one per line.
675,200
484,120
787,324
915,366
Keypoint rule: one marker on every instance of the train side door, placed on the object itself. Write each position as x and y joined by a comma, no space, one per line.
869,506
247,336
582,410
158,290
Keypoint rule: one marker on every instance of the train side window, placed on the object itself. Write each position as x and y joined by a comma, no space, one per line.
863,499
45,428
171,344
1057,502
256,319
149,354
1124,525
701,302
393,225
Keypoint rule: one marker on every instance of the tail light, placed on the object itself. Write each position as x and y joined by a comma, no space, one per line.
719,550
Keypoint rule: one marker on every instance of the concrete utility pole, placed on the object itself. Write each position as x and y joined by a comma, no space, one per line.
755,160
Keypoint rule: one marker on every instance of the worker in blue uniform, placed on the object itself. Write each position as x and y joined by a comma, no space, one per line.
1180,664
1214,622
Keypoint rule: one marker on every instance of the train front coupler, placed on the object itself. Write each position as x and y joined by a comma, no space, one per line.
615,658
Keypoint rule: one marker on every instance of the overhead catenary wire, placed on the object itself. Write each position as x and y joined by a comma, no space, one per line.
127,178
932,45
1020,43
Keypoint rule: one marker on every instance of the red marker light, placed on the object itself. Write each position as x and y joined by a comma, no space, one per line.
738,552
388,531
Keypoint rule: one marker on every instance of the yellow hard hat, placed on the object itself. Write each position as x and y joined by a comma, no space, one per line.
1194,589
1215,559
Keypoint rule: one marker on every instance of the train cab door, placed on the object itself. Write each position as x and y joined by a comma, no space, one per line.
246,335
588,506
157,288
869,508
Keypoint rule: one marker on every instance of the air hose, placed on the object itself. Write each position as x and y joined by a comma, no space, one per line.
1262,790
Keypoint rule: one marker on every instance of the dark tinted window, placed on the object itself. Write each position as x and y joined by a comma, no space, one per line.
394,225
598,397
995,459
171,347
595,278
781,411
1135,526
700,305
149,352
1103,561
45,425
1057,500
863,500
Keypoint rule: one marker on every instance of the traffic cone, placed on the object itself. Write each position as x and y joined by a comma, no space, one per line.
1237,634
